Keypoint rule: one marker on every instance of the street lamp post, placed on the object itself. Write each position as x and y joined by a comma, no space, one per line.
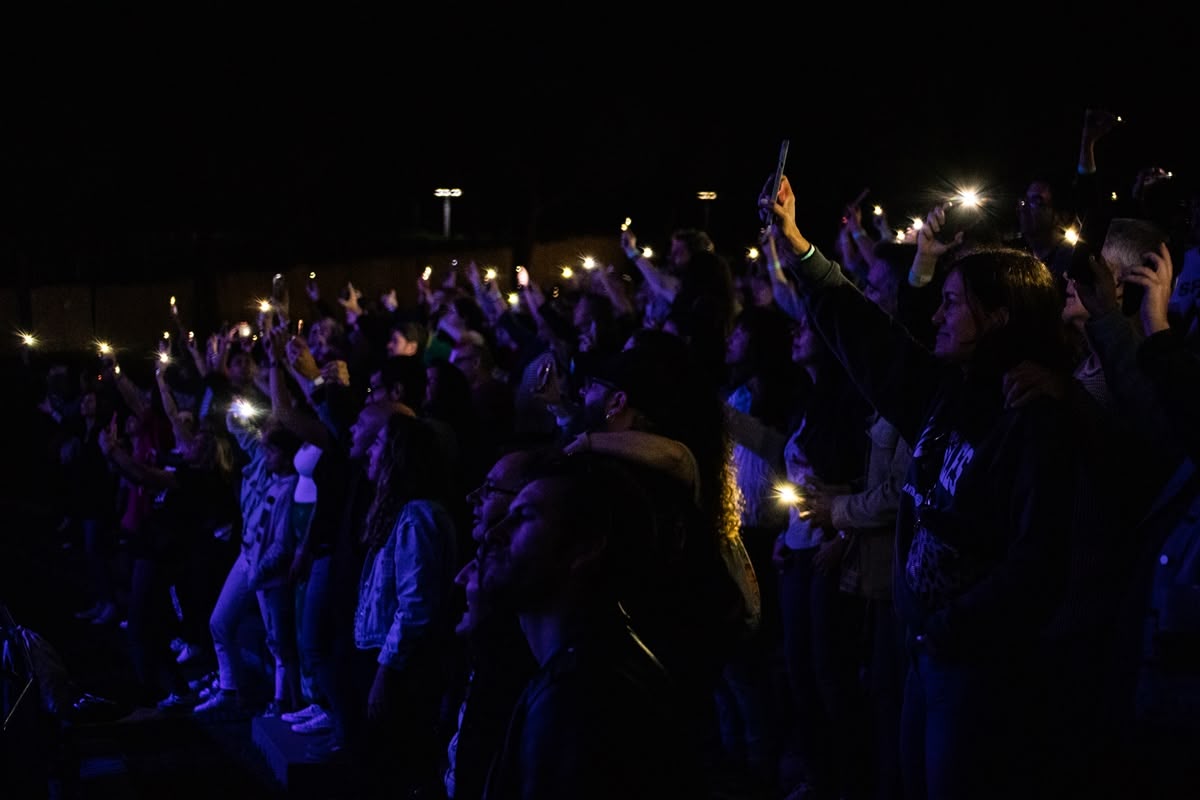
446,194
706,197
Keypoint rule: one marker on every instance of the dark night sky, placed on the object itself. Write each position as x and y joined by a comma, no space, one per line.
129,163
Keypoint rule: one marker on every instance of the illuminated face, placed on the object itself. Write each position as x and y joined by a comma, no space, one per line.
489,501
737,346
522,563
1035,214
241,368
365,428
595,396
400,345
275,459
375,454
957,329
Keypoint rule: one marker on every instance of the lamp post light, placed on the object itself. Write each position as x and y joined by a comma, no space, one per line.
446,194
706,197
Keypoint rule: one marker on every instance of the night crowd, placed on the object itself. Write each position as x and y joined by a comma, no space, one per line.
878,517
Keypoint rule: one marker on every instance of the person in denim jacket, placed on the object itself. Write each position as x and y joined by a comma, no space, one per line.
404,622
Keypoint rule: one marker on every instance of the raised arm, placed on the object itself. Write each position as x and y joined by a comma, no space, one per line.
661,283
127,465
898,376
284,400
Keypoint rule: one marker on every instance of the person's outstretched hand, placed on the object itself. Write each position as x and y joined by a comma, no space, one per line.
1157,280
928,245
1097,123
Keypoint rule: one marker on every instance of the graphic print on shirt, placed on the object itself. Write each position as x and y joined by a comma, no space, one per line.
936,570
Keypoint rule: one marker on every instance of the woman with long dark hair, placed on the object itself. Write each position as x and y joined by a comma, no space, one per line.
404,625
982,533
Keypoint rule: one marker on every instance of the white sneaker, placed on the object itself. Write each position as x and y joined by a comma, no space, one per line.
321,723
220,701
303,715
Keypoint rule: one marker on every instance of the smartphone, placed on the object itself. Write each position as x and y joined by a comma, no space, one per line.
543,375
767,214
1132,295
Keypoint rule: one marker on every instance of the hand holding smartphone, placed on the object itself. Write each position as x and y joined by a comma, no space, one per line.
767,213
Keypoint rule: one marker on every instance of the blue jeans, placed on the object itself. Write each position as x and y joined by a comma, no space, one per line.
237,600
968,728
316,635
822,630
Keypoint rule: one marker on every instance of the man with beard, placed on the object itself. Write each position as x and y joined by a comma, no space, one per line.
599,718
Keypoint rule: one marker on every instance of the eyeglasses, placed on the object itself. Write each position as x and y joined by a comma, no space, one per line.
488,488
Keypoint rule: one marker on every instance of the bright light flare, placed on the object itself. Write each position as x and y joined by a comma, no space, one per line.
244,409
969,198
752,253
878,211
514,299
1071,235
625,225
568,273
917,223
164,357
166,336
489,274
647,252
264,305
589,263
27,339
104,348
787,494
425,275
244,330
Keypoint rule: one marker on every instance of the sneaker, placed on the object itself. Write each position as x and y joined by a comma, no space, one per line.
212,690
303,715
271,710
177,645
204,682
189,652
220,701
177,702
321,723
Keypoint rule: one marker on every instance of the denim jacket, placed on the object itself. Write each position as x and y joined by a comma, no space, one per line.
404,594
